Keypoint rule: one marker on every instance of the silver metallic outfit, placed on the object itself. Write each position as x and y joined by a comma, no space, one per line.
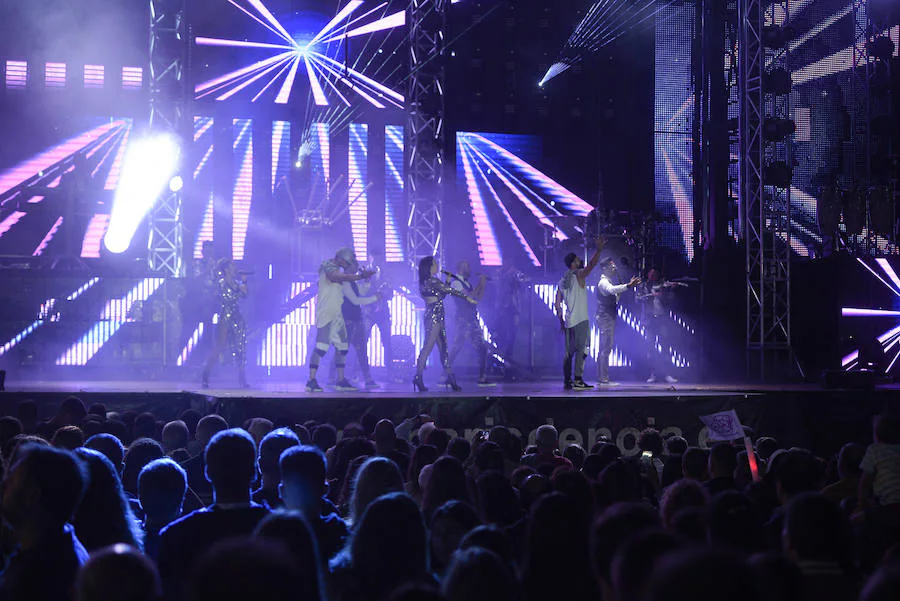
232,329
433,291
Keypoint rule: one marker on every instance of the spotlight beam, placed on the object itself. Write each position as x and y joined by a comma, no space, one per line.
239,44
872,271
286,37
257,77
349,83
384,90
272,80
321,72
259,6
886,266
342,14
285,93
317,91
390,22
241,72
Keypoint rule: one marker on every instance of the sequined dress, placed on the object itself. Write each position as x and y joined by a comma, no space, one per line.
230,318
434,291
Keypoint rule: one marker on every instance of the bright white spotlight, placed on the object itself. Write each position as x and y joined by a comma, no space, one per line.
176,184
150,162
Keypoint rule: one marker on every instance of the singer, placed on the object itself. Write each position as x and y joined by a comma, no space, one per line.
231,331
433,291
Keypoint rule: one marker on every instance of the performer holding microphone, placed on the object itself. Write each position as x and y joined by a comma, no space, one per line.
433,291
231,330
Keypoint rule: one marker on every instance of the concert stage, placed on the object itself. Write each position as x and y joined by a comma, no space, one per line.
797,415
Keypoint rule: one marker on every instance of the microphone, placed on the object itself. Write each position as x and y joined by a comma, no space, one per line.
246,272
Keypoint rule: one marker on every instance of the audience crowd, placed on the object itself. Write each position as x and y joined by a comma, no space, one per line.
105,506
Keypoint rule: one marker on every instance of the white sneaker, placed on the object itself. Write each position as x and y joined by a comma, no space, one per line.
651,379
671,380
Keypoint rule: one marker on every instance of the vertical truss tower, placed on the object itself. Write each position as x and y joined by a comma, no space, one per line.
765,184
425,135
169,102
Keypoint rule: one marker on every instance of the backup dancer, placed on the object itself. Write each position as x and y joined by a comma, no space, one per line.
330,327
467,327
433,291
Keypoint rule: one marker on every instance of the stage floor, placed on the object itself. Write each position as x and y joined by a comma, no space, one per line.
508,390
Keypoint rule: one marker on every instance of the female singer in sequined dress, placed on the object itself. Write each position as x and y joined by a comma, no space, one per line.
231,331
433,291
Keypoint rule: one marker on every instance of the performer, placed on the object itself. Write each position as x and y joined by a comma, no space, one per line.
607,301
433,292
378,314
467,327
510,284
330,327
572,289
654,294
352,310
231,331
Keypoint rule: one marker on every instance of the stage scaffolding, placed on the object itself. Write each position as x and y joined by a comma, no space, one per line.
169,112
425,126
766,168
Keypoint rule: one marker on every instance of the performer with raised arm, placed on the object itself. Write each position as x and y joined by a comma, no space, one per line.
654,293
357,334
433,291
330,327
607,313
468,329
231,330
572,290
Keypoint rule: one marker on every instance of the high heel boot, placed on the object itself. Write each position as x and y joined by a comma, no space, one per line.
419,384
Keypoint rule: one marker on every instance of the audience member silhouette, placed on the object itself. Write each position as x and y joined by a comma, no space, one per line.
104,516
291,530
303,488
40,494
230,468
162,485
376,477
111,447
270,449
480,575
118,573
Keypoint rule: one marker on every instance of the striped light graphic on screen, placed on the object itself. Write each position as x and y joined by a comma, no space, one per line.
94,76
16,75
112,178
191,344
488,248
113,317
321,156
132,78
203,141
242,196
281,151
8,223
55,75
28,169
286,344
394,196
358,174
90,247
42,246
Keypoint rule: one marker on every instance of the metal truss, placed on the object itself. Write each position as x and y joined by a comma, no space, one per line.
766,208
425,135
169,102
